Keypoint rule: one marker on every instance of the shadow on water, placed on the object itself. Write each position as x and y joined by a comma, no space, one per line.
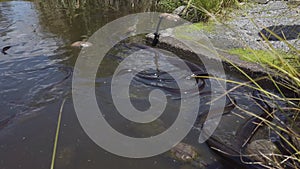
36,75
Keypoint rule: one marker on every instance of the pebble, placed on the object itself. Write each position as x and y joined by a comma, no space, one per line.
256,17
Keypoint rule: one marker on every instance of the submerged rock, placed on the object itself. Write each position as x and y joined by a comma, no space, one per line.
184,152
193,157
261,150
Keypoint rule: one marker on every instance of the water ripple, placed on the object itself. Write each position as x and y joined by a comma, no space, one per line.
32,73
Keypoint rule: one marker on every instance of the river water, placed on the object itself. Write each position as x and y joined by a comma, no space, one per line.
36,74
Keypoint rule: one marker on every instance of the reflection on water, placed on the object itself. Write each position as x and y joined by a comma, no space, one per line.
36,75
30,78
76,19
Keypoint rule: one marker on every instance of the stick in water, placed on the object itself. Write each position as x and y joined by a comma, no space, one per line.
162,16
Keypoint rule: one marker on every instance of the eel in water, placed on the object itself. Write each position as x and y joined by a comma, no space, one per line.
247,131
255,123
244,135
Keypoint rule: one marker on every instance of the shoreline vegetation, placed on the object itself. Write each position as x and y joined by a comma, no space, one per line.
275,52
198,10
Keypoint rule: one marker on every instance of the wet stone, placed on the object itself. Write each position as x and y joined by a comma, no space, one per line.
260,1
184,152
287,32
179,10
261,150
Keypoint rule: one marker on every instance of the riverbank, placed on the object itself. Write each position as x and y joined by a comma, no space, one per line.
265,136
240,34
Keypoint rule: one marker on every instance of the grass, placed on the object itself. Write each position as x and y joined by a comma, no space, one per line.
277,58
169,5
207,26
181,31
197,10
57,134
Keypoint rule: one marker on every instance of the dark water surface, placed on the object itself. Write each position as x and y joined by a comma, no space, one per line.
36,76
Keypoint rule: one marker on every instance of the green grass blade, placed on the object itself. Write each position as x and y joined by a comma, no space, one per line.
57,134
